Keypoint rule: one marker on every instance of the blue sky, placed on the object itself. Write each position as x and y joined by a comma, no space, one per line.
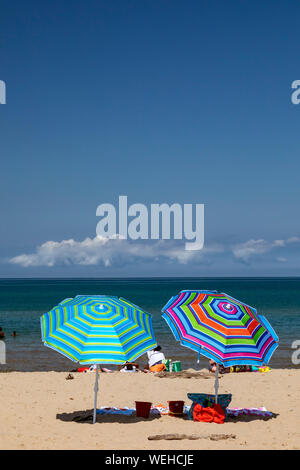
162,101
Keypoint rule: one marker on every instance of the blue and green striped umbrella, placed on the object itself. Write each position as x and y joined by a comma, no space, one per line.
98,329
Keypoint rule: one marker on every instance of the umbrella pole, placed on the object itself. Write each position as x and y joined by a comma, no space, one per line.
96,393
216,383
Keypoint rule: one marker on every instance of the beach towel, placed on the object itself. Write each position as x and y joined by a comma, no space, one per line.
212,414
125,411
115,411
262,411
83,369
264,369
164,410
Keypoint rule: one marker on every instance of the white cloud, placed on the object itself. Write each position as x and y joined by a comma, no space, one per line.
293,240
119,252
256,248
244,251
281,259
107,252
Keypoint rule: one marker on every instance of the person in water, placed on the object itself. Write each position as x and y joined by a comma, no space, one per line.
14,334
2,334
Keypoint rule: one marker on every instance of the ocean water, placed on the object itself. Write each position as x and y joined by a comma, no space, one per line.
23,301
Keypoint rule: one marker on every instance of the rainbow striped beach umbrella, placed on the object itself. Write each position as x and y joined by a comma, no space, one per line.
98,329
221,328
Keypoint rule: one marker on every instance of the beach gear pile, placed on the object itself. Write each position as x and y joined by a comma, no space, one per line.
162,410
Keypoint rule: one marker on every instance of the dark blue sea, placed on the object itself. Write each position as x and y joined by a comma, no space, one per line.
23,301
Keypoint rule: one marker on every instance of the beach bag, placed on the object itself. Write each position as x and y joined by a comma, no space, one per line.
158,368
213,414
207,400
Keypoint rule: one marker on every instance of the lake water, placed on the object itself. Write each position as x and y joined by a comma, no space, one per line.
23,301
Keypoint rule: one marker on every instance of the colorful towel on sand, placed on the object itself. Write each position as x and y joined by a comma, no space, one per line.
126,411
104,410
161,410
164,410
262,411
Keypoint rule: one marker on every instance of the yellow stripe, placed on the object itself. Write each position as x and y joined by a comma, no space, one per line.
44,327
90,324
137,344
104,361
86,335
142,352
64,341
113,353
61,349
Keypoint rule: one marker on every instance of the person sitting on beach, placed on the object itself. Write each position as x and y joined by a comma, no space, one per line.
213,366
2,334
129,367
156,360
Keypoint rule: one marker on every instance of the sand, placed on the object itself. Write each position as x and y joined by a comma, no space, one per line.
30,403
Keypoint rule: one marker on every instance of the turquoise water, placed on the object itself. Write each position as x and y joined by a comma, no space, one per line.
23,301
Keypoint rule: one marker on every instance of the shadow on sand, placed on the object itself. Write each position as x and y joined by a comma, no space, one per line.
249,418
87,417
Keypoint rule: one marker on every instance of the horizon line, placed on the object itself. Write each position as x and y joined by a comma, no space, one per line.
146,277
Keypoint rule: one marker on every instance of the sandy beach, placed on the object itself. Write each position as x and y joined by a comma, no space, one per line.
37,409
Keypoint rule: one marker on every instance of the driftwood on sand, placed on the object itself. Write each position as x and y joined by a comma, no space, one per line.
192,437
